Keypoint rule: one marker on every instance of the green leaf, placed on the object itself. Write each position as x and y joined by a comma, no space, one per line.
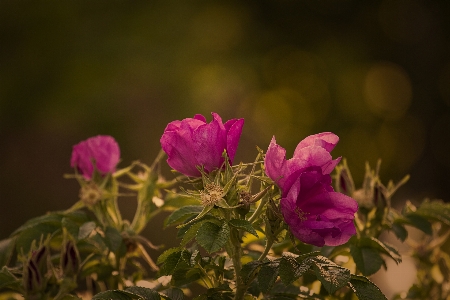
113,239
145,293
381,247
26,237
71,227
268,275
174,294
8,280
436,210
86,229
249,270
166,253
175,261
368,260
399,231
203,213
6,250
173,200
332,276
116,295
52,220
291,268
419,222
365,289
182,213
213,237
244,225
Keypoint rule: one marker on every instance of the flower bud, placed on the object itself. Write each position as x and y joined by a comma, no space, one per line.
244,201
70,260
344,180
35,270
273,219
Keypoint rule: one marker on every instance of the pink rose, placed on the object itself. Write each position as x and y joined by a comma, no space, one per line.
192,142
99,153
315,213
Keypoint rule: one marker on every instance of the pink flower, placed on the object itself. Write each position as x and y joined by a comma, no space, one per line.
315,213
99,153
192,142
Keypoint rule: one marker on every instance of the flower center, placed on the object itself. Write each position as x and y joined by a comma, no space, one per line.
90,194
301,214
211,194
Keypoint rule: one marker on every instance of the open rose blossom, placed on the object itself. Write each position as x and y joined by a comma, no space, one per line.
315,213
192,142
101,153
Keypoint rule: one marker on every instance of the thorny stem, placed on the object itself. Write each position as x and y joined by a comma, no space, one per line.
236,257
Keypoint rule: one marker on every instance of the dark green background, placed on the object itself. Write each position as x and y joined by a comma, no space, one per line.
377,73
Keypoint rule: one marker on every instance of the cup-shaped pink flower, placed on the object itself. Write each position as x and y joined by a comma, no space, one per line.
192,143
315,213
100,153
314,150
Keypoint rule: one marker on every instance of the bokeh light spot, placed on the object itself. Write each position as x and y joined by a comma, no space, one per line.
387,90
272,115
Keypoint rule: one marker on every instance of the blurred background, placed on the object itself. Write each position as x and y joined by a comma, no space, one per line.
376,73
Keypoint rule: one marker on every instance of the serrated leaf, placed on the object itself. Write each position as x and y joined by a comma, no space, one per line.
213,237
183,213
190,231
244,225
367,260
291,269
268,275
365,289
332,276
86,229
249,270
174,294
166,253
116,295
175,261
381,247
145,293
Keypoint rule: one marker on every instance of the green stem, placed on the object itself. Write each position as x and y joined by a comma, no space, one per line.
269,244
258,210
236,254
